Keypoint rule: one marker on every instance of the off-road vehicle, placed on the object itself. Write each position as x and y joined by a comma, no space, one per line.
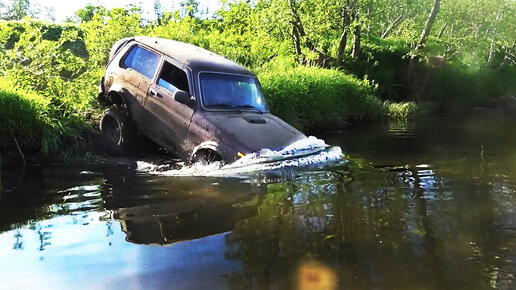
188,100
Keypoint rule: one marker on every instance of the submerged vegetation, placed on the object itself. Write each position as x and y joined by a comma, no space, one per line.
322,64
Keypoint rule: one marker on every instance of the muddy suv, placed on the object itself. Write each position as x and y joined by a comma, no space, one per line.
188,100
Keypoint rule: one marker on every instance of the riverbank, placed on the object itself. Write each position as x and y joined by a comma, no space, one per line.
49,73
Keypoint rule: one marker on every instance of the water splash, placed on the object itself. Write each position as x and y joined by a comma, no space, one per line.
303,155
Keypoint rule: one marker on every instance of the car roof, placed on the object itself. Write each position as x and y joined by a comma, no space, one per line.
196,58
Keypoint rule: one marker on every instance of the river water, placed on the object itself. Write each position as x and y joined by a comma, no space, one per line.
422,205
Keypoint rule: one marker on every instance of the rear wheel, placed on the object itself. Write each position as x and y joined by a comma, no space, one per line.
118,130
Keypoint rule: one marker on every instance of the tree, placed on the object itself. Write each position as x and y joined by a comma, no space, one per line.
158,11
16,11
428,25
86,14
189,8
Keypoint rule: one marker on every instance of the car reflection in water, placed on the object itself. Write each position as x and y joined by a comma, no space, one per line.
165,210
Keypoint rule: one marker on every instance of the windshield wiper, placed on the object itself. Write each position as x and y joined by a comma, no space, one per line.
223,105
250,107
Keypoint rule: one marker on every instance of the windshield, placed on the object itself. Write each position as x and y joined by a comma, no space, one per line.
231,92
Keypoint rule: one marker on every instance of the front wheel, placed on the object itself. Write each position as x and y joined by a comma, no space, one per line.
118,130
205,157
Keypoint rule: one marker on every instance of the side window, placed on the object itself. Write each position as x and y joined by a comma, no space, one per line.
172,78
142,61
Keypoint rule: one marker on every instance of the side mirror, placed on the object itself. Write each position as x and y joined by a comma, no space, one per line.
182,97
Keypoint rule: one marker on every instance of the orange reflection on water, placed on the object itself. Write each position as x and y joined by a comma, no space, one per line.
314,275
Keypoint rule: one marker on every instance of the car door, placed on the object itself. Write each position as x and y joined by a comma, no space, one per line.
140,65
173,117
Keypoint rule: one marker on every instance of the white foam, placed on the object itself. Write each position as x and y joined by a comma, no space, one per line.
305,153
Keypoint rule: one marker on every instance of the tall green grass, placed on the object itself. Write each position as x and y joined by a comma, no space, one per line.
314,98
31,121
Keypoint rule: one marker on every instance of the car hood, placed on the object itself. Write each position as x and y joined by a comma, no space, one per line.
254,131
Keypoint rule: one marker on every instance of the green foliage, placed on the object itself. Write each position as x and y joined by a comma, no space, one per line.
474,29
22,113
314,98
87,13
15,10
473,41
106,28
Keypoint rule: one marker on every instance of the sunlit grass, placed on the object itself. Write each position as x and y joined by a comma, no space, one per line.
400,111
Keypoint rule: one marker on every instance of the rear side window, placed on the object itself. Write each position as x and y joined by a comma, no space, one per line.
173,78
142,61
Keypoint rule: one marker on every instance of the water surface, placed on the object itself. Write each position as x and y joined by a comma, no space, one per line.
421,205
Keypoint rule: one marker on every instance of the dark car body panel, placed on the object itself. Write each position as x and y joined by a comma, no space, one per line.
186,128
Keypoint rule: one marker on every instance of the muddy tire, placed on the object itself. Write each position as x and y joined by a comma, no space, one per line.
205,157
118,130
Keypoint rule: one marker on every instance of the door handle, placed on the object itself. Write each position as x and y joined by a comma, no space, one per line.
153,92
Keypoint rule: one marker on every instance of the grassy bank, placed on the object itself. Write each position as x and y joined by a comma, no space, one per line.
56,69
314,99
31,123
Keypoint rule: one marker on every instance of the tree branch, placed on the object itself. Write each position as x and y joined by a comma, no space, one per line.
19,149
395,23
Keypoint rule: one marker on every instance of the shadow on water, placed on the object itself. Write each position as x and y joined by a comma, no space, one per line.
424,205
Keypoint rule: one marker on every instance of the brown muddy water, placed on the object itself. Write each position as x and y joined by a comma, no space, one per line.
426,205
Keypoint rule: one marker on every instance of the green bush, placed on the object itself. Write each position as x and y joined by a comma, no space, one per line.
314,98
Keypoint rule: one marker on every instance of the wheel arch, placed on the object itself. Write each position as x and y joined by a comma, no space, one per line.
209,146
117,98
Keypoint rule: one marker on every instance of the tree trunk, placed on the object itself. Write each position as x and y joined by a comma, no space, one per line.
298,32
443,28
342,46
344,36
297,41
491,51
412,79
355,53
428,25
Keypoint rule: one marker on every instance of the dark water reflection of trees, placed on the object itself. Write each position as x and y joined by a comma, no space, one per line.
417,207
393,228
